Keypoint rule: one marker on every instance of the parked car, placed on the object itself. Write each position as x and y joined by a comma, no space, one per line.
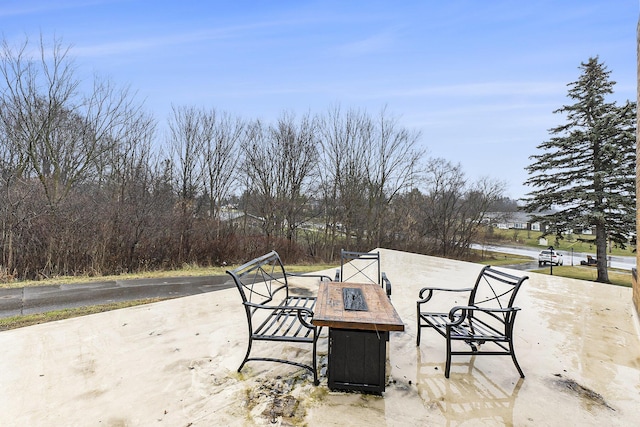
546,257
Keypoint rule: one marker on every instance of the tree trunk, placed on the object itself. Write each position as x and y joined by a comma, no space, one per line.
601,254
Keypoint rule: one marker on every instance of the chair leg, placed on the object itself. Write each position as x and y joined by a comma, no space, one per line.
447,367
515,361
419,328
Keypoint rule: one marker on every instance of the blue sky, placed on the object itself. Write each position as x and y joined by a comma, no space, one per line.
479,79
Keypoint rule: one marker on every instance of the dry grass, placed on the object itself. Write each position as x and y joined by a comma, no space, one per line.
186,271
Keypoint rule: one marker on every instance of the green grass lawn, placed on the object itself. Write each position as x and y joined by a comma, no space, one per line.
570,241
589,273
498,258
616,277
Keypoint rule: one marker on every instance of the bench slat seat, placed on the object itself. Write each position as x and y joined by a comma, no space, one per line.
287,322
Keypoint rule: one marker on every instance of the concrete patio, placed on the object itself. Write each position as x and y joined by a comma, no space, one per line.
174,363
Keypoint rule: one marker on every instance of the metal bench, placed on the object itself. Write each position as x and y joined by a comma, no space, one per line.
487,318
272,313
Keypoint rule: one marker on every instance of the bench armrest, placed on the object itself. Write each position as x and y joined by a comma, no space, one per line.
299,310
429,291
320,276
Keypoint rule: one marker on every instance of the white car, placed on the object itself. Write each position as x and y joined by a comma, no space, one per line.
546,257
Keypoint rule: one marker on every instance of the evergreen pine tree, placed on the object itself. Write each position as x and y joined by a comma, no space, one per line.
585,175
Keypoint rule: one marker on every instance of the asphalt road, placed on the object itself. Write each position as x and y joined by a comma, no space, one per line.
41,299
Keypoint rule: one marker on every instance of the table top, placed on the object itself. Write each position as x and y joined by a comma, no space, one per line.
379,316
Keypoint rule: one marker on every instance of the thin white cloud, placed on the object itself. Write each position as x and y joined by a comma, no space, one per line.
483,89
239,32
29,8
371,44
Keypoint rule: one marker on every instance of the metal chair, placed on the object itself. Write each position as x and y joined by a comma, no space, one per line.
363,267
487,318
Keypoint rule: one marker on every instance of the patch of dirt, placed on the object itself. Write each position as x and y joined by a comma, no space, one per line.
277,401
589,396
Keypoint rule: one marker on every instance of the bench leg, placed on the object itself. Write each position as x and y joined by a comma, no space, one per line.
314,364
246,355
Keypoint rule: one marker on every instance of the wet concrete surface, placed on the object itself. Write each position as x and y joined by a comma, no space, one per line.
41,299
174,363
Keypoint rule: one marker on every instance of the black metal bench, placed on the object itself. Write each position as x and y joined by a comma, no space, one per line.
487,318
272,313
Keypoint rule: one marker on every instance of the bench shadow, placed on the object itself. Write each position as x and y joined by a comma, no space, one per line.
470,396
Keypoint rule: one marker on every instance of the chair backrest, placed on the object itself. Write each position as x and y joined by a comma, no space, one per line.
361,267
261,278
495,289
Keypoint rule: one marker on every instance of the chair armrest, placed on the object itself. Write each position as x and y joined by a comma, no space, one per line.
387,283
430,290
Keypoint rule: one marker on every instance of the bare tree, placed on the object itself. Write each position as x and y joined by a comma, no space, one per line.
223,135
61,132
131,204
454,209
394,156
343,174
366,163
280,163
59,136
187,141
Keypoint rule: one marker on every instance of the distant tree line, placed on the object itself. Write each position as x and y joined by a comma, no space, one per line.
89,186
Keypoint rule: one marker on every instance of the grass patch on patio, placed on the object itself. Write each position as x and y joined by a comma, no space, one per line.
21,321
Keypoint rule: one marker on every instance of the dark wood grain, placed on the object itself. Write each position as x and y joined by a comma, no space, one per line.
330,310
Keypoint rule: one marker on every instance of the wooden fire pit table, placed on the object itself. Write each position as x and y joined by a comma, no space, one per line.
359,317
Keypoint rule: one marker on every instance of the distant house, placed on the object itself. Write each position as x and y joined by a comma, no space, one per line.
512,220
522,221
238,217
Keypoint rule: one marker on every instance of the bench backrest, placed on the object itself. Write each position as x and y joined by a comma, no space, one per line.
260,279
496,289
